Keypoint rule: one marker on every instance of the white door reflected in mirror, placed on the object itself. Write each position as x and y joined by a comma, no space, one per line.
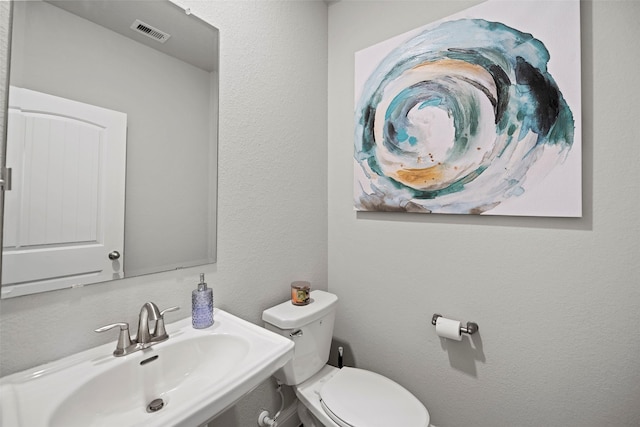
65,213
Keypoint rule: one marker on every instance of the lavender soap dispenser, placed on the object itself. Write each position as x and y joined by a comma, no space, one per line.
202,305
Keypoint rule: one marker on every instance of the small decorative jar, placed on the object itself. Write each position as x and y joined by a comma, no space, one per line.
300,293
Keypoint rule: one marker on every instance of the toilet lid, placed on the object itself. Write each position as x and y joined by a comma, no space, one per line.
358,398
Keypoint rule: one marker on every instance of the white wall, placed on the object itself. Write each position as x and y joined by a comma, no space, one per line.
556,299
272,198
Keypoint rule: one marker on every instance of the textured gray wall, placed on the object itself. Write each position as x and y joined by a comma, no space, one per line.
556,299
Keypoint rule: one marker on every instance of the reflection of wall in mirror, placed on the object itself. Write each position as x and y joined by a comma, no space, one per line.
167,166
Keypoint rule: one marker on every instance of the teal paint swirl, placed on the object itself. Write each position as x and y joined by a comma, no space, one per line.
486,81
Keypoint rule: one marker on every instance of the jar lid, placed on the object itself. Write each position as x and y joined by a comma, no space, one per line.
301,285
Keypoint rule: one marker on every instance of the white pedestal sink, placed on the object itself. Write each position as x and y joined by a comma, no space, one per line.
196,373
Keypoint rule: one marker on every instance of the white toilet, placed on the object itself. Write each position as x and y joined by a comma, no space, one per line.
332,397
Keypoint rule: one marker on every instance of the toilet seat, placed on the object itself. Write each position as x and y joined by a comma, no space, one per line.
359,398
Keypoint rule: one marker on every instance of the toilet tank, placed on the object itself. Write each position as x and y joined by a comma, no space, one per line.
310,327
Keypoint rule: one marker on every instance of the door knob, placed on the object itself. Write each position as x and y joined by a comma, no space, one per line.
114,255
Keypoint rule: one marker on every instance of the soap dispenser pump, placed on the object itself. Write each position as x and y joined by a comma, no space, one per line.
202,305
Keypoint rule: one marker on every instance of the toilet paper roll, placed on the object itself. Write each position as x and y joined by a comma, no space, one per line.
448,328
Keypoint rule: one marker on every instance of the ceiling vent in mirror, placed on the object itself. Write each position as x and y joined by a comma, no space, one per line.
150,31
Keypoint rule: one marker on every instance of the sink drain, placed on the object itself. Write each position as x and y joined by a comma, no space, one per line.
155,405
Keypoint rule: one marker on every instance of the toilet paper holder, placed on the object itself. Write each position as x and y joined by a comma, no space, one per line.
471,328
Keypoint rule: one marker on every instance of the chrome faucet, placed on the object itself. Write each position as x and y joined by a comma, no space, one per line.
146,337
149,311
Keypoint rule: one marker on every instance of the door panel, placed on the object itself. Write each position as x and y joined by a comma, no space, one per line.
65,213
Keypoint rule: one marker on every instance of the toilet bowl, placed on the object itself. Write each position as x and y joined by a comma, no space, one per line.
332,397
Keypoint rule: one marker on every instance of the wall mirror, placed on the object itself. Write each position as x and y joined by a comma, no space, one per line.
112,141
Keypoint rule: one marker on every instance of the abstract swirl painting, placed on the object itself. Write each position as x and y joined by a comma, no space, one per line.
466,115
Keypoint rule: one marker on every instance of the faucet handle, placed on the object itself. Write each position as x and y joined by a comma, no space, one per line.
124,339
160,334
166,310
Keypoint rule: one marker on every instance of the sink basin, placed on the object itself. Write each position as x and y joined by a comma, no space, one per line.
184,381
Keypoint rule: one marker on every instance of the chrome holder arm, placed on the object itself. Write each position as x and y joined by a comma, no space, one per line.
471,328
